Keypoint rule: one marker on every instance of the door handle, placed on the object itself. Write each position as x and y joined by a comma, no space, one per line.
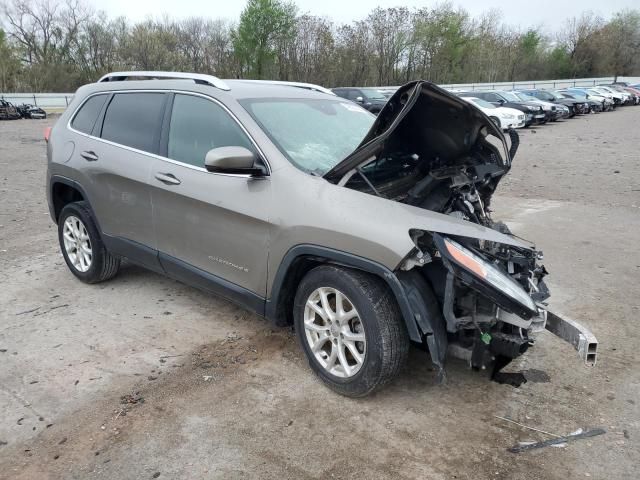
167,178
89,156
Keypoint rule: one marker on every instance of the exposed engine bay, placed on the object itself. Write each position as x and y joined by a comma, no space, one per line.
433,151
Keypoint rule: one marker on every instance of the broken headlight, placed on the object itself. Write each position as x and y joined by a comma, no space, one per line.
510,294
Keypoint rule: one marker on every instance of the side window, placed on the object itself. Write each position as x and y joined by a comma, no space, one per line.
353,94
86,117
492,97
197,126
134,119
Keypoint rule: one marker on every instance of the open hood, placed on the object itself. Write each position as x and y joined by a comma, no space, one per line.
435,122
431,150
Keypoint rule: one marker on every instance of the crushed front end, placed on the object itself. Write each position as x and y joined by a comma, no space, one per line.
491,297
476,292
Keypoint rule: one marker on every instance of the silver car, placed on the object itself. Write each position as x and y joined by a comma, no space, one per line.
365,233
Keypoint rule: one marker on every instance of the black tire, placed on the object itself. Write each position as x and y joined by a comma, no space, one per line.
387,340
104,265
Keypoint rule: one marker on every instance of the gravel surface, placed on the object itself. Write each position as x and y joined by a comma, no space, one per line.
142,377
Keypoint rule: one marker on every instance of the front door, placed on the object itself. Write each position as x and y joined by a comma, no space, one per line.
207,225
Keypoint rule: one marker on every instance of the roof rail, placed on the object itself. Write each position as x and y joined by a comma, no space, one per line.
196,77
307,86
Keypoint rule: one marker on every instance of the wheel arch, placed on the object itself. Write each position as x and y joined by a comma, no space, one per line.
302,258
62,191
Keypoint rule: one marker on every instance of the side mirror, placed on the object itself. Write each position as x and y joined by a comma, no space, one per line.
233,160
359,99
501,102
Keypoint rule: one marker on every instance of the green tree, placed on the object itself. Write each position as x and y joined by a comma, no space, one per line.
265,30
9,64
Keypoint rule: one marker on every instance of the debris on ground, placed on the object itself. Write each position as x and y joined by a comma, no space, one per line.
526,426
128,401
132,399
556,441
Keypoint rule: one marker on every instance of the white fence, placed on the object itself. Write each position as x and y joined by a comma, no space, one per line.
44,100
553,84
61,100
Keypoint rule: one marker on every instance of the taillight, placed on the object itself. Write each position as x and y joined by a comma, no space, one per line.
47,134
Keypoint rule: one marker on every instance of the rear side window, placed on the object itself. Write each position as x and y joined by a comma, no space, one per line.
134,119
86,117
197,126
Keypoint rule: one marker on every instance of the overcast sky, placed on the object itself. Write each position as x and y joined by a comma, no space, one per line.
549,14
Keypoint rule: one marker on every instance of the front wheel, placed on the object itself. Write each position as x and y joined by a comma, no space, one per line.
350,329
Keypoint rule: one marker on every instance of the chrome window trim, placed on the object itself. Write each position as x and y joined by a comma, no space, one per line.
160,157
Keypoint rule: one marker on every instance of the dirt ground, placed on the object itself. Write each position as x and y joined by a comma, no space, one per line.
142,377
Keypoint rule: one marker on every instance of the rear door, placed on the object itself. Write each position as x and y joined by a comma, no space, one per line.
208,225
116,161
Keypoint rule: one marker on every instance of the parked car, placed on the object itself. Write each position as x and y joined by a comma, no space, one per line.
635,91
617,97
607,101
550,96
604,103
370,98
581,103
31,111
366,233
504,117
533,112
552,111
8,111
595,105
634,97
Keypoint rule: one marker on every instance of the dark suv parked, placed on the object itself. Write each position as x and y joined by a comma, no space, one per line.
575,106
370,98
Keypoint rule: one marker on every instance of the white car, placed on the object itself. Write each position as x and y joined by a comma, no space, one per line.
504,117
626,96
617,97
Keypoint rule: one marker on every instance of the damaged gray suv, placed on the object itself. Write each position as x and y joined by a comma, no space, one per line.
366,233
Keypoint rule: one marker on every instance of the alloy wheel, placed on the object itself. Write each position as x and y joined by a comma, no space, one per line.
77,244
334,332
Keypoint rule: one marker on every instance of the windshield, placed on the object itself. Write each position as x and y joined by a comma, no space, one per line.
315,135
510,96
544,95
373,94
526,98
482,103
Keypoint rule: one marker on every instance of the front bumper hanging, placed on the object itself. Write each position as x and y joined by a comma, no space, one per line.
576,334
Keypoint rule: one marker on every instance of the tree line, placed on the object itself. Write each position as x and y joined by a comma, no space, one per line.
58,45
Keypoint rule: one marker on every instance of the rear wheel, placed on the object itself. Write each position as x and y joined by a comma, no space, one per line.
350,328
81,245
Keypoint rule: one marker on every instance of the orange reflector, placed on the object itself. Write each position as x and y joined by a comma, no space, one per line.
466,261
47,134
